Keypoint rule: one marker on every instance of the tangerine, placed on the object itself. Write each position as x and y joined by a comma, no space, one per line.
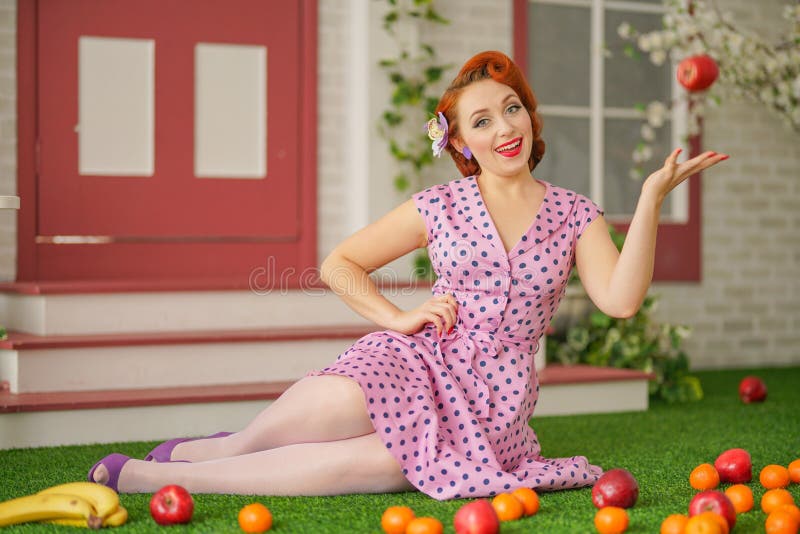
703,524
704,477
774,498
793,510
424,525
255,517
507,507
780,522
741,496
774,476
611,520
529,500
395,519
794,471
721,521
674,524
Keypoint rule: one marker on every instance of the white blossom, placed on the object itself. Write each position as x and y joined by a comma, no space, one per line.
648,134
656,113
657,57
625,30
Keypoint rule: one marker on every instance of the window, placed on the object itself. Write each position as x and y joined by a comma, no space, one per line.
588,90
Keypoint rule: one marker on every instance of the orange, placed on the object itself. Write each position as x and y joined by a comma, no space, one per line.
529,500
255,517
703,524
780,522
704,477
791,509
424,525
508,507
721,521
794,471
674,524
774,476
774,498
395,519
741,496
611,520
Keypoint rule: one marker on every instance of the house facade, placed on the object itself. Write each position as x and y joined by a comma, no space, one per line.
744,308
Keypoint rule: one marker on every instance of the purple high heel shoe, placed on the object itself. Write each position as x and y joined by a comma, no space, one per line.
113,464
163,452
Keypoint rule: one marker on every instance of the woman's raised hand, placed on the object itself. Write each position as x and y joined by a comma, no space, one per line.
441,310
665,179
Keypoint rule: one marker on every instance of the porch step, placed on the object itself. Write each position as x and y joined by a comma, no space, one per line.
45,419
49,309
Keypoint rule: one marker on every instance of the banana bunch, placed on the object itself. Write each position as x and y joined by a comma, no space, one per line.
80,504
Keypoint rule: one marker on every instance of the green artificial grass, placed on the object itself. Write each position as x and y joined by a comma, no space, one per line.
660,447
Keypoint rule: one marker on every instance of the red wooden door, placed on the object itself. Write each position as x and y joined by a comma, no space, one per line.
169,223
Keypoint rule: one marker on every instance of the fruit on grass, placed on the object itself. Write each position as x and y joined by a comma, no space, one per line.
713,501
615,487
734,466
255,517
44,507
508,507
104,499
697,73
674,524
781,522
703,524
476,517
794,471
774,476
611,520
774,498
118,518
529,500
395,519
741,497
791,509
424,525
704,477
752,389
171,505
723,524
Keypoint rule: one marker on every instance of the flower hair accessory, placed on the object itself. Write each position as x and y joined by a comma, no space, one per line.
437,132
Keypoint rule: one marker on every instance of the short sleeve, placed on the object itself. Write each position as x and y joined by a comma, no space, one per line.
586,211
431,205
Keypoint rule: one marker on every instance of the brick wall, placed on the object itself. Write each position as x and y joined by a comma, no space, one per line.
746,311
8,135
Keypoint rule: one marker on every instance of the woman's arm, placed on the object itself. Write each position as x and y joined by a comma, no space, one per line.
346,269
617,282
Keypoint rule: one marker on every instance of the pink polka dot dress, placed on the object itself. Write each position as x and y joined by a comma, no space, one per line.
454,409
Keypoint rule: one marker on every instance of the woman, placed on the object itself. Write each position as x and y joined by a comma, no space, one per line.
440,399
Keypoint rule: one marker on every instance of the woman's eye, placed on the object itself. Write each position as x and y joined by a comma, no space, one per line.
481,123
513,108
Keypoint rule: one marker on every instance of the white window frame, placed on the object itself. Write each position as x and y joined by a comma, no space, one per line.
597,112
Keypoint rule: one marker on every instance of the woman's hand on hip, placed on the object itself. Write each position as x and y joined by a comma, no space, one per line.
441,310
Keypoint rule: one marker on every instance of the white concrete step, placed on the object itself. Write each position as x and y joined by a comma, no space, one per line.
62,312
67,418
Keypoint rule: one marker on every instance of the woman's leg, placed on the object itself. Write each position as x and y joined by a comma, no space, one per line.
355,465
314,409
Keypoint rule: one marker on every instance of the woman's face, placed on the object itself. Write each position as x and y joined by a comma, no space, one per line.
496,127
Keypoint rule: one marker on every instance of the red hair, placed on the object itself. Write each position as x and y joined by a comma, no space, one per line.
500,68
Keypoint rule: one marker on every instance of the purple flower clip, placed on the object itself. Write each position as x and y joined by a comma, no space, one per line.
437,132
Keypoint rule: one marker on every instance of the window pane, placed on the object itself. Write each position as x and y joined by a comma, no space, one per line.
621,137
566,155
633,81
558,54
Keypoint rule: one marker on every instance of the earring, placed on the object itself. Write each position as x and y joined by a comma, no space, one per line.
466,152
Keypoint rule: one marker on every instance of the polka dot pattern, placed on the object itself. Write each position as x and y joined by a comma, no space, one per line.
454,409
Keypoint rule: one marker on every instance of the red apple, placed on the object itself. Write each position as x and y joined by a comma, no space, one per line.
752,389
616,487
734,466
697,73
171,505
713,501
477,517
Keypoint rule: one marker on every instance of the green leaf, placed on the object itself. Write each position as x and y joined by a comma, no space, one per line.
428,49
433,16
386,63
396,77
392,118
433,74
401,182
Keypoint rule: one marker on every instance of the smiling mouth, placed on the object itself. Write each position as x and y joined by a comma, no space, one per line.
512,148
